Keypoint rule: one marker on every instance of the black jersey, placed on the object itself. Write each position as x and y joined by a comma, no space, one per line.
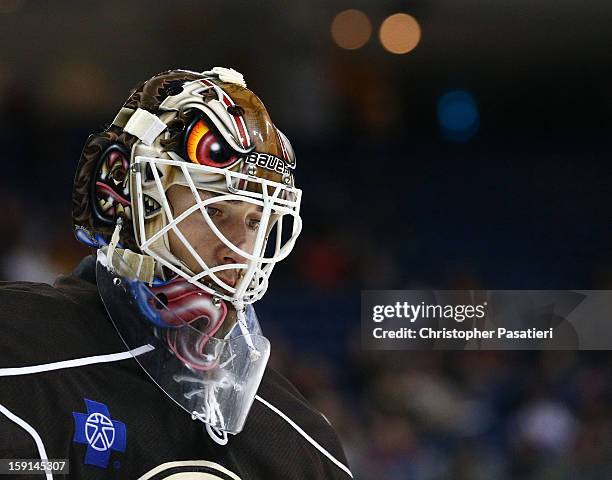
70,390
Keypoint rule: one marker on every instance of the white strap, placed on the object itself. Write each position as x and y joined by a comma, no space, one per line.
145,126
228,75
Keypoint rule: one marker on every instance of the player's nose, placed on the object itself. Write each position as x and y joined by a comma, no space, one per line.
239,238
238,235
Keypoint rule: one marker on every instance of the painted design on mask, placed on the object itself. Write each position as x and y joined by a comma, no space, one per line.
188,317
178,302
204,147
112,194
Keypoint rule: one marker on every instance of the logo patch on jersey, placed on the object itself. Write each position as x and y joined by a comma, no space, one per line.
99,432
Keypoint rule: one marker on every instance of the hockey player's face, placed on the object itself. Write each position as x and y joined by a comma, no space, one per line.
238,221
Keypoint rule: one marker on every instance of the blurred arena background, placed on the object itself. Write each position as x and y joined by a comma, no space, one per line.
463,144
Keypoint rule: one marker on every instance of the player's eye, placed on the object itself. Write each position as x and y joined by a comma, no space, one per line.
212,211
204,148
253,223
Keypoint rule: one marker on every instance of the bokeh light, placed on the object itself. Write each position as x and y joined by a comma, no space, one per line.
458,115
400,33
351,29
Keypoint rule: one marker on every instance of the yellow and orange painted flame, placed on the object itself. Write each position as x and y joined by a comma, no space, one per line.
195,135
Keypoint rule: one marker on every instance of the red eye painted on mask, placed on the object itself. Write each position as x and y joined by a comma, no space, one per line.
204,148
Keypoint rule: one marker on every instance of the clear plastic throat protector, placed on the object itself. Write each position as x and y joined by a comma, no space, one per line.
201,358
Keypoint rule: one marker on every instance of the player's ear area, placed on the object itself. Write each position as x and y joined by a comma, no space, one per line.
101,187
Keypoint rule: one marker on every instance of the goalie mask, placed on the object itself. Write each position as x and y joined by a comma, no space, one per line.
207,133
208,137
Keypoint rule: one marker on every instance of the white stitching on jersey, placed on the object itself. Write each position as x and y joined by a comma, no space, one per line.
311,440
77,362
34,434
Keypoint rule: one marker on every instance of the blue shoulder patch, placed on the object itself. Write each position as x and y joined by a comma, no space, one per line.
99,432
